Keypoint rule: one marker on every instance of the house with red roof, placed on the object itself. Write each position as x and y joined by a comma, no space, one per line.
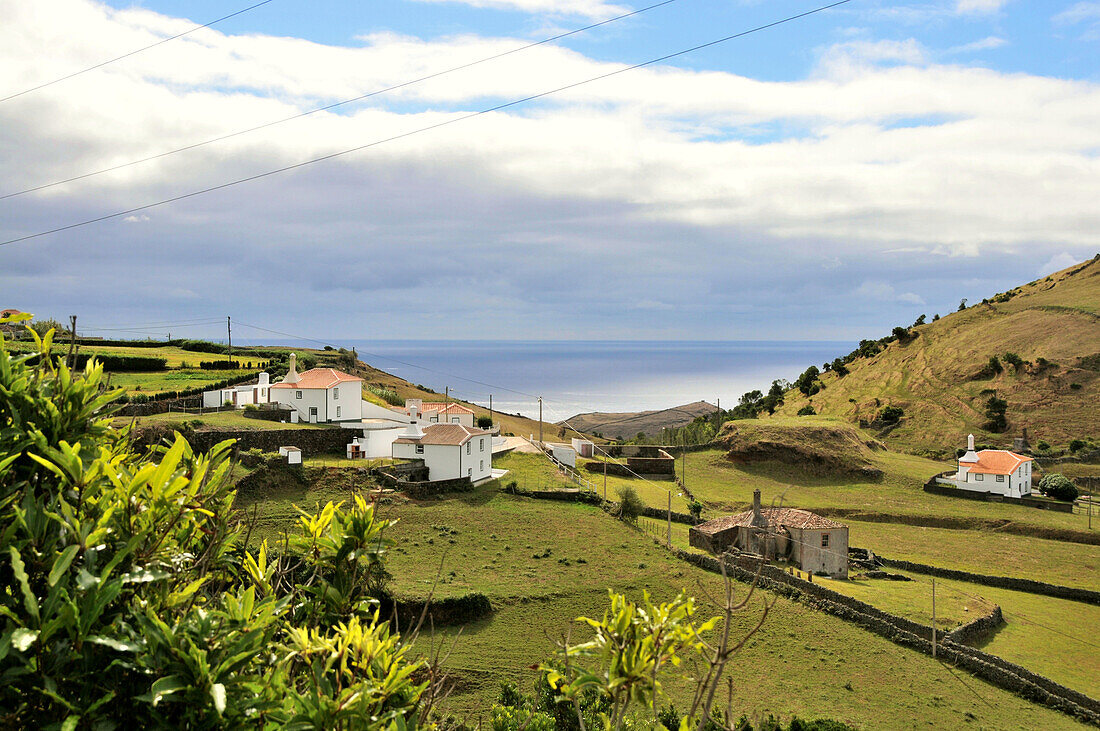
449,451
320,394
807,540
996,471
437,412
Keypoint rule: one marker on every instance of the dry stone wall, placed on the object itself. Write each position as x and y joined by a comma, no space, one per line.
1001,582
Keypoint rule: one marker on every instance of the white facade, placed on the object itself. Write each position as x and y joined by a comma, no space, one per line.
563,454
584,447
437,412
472,457
239,396
320,394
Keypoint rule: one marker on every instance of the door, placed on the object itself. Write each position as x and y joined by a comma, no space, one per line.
312,414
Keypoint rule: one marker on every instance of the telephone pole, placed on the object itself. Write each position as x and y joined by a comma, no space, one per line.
490,411
446,395
540,422
670,518
72,342
229,330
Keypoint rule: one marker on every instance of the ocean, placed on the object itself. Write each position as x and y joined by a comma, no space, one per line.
579,376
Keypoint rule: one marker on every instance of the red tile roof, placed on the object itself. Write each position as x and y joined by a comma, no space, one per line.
785,517
447,434
451,408
319,378
996,462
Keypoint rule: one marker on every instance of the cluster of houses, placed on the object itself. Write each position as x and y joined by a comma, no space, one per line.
440,434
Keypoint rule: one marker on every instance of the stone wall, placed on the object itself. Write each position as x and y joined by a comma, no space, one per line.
159,407
411,478
1001,582
676,517
936,489
440,612
272,414
310,440
972,632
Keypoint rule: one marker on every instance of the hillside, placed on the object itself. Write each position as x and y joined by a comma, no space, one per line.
624,425
939,377
818,448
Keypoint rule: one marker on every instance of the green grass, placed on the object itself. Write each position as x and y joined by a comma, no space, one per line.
224,420
543,563
173,380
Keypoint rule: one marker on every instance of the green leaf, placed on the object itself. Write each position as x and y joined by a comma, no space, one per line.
23,638
85,581
164,687
217,692
20,571
69,724
61,565
120,645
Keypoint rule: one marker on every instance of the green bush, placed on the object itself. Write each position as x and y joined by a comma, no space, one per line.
1043,445
630,505
387,394
1077,445
807,410
484,422
891,414
1059,487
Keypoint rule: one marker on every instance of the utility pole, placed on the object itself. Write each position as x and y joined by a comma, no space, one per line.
933,617
540,422
490,411
229,330
670,518
605,477
72,341
446,395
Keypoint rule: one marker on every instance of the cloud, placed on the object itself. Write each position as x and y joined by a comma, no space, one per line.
593,9
1057,263
979,6
1081,13
135,219
670,189
985,44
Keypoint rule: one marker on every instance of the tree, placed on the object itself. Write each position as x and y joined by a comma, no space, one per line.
901,334
935,317
1059,487
840,368
995,409
696,509
807,382
484,422
919,320
630,505
962,305
891,414
44,326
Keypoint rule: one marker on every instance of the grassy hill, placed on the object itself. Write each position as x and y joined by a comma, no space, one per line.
625,425
939,376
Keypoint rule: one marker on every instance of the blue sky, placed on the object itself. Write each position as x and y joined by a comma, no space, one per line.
826,179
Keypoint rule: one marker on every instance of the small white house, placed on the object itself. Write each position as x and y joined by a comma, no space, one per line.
437,412
584,447
293,454
449,451
320,394
998,471
239,396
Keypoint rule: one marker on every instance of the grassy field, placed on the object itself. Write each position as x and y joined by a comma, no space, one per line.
221,420
932,377
544,563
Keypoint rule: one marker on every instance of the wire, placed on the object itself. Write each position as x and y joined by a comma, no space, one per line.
427,128
337,104
132,53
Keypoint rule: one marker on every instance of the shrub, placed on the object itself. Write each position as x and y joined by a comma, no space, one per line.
387,394
1014,360
891,414
807,382
630,505
995,409
962,305
901,334
1059,487
484,422
1075,386
1077,445
807,410
695,508
935,317
1043,445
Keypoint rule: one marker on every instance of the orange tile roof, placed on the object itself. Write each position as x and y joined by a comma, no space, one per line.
445,407
447,434
319,378
785,517
997,462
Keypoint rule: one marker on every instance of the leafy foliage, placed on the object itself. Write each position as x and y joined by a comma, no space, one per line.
1059,487
630,505
995,409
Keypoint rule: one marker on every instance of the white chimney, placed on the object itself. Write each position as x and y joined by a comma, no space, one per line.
413,431
292,374
265,379
971,456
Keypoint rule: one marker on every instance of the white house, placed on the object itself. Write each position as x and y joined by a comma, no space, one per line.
437,412
449,451
563,454
998,471
239,396
584,447
320,394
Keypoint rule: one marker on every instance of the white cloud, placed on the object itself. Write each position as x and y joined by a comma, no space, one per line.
985,44
1057,263
593,9
979,6
135,219
880,291
1078,12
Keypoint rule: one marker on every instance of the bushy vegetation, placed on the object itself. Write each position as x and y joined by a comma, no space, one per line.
995,409
484,422
386,394
630,505
1059,487
891,414
807,410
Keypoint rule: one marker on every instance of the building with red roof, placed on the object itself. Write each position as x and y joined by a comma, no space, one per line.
437,412
996,471
320,394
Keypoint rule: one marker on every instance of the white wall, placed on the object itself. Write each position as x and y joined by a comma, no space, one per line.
379,442
350,401
311,397
446,462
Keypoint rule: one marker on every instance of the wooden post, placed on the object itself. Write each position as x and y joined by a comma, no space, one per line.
933,617
670,518
540,422
605,475
490,411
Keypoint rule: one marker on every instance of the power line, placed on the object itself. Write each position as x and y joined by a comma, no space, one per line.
427,128
134,52
385,90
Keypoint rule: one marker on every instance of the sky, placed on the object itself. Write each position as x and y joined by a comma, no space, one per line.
823,179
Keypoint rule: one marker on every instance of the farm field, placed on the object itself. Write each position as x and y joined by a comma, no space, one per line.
220,419
544,563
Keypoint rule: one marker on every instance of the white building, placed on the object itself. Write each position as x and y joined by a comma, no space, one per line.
320,394
584,447
449,451
437,412
239,396
563,454
998,471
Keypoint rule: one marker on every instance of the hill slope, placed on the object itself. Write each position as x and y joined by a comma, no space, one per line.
624,425
937,376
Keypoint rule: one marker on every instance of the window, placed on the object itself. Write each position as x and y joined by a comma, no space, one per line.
482,442
337,412
469,471
824,540
1000,478
482,467
978,478
467,447
434,419
420,449
297,394
454,420
263,392
336,394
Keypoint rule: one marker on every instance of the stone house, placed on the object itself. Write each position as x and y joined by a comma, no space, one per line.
807,540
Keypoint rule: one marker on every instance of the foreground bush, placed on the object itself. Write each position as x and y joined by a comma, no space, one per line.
1059,487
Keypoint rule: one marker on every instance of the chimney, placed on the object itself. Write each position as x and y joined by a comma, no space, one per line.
292,374
265,379
970,456
756,505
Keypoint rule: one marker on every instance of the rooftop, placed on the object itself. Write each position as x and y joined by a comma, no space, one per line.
785,517
447,434
319,378
997,462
